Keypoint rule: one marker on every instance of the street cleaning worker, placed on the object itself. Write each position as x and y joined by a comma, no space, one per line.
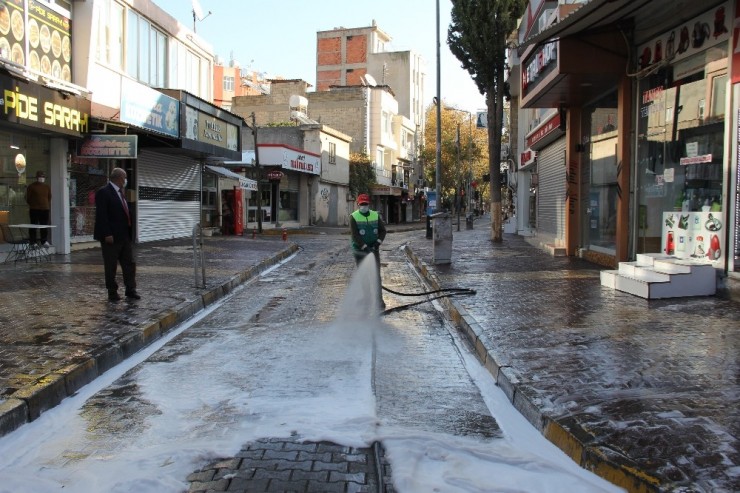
368,233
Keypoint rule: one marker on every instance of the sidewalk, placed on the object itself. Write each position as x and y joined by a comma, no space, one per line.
58,332
643,393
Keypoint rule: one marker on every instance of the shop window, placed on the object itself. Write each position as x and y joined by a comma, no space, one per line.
680,157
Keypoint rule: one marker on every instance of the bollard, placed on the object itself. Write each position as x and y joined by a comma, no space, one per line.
285,234
254,232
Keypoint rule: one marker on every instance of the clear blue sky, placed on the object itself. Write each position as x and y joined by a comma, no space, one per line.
279,36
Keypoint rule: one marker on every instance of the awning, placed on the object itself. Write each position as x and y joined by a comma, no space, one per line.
245,183
648,17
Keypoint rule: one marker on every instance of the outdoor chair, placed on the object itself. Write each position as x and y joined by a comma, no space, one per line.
20,243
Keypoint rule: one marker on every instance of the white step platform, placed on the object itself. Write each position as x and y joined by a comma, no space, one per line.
656,275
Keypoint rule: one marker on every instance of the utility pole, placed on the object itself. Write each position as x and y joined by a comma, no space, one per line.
259,174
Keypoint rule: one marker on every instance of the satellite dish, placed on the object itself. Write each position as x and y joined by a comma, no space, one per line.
370,80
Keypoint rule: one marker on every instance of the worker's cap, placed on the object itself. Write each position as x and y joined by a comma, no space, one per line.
363,199
40,174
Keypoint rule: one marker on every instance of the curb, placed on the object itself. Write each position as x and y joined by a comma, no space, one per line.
567,434
28,403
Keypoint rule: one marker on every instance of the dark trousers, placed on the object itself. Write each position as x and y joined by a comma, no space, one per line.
38,216
114,253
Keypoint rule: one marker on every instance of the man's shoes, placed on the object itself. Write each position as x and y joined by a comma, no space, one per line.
133,295
113,297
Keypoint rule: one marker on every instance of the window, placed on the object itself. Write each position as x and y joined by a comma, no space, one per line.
332,153
146,50
110,34
228,83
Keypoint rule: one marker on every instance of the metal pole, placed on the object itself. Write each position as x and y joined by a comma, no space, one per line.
259,175
438,171
457,177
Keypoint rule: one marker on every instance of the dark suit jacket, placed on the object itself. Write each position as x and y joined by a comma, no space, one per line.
110,217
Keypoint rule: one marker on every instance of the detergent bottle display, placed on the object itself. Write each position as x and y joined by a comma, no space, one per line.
694,235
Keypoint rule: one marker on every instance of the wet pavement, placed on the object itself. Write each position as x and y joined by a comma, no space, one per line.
644,393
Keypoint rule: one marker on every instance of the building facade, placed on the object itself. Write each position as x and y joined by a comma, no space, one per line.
145,83
303,172
635,151
369,116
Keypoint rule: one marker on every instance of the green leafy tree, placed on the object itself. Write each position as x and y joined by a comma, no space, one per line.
361,174
456,168
478,36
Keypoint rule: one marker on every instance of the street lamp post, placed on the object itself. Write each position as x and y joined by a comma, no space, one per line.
438,170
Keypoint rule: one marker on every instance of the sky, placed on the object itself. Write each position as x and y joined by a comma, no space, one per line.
194,403
280,37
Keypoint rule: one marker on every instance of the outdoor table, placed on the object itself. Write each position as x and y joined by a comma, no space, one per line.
36,251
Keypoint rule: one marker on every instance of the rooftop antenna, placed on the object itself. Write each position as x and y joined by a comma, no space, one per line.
198,13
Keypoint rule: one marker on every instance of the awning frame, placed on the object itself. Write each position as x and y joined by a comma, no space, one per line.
244,182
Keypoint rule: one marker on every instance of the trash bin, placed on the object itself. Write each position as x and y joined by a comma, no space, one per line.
469,220
442,241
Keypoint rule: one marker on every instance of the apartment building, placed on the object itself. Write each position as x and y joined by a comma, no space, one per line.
231,80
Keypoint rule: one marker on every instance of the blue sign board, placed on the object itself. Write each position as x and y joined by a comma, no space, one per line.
144,107
431,203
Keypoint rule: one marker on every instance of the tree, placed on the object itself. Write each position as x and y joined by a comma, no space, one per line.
477,36
473,150
361,174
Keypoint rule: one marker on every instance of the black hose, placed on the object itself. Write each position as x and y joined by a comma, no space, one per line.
441,290
448,292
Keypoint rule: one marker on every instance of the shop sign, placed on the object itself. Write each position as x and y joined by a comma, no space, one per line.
37,106
527,159
110,146
386,190
275,175
205,128
539,62
707,30
549,128
290,158
36,37
149,109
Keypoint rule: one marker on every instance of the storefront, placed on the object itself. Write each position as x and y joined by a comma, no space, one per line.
38,126
682,162
548,140
286,176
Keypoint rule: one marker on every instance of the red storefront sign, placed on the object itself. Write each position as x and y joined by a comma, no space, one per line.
552,125
275,175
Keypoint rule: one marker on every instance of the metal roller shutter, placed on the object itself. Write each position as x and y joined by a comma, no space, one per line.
168,196
551,192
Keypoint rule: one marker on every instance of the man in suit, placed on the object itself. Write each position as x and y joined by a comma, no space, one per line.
113,230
